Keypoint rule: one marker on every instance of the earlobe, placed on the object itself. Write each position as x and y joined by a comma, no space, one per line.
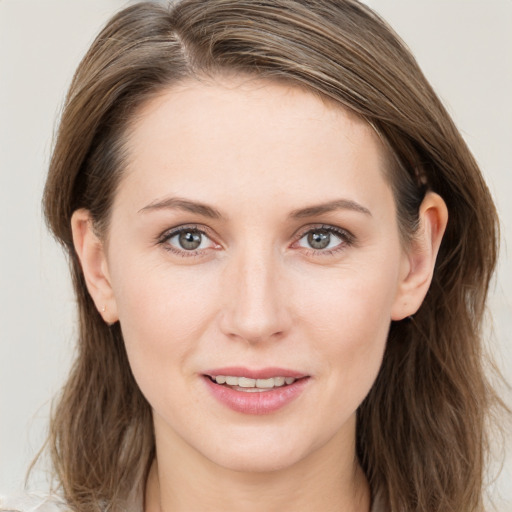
91,253
420,257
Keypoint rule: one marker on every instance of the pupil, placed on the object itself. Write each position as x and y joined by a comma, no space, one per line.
319,239
190,240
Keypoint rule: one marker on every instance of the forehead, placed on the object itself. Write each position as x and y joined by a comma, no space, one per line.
237,95
247,132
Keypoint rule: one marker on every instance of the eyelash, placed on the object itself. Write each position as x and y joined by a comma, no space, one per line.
164,238
347,239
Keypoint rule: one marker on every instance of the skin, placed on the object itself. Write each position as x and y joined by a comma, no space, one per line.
256,294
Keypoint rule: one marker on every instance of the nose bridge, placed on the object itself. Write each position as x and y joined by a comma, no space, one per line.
256,311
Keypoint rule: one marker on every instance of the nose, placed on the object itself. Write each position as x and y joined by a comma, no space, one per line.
256,309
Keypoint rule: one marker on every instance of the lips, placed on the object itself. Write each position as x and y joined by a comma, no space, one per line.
262,373
248,384
261,391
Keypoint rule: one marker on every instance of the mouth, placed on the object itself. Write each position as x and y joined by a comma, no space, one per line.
250,385
256,392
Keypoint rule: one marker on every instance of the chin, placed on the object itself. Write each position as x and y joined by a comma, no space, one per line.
256,463
258,454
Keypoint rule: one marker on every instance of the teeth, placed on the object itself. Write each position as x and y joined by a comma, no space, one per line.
244,382
265,383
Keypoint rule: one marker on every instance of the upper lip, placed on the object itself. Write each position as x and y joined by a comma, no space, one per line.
255,373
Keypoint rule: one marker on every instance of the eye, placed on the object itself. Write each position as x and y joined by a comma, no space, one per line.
326,238
186,240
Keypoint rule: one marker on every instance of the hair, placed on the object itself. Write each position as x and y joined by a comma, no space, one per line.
422,431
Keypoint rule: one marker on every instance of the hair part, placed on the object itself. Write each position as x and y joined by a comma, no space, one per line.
421,431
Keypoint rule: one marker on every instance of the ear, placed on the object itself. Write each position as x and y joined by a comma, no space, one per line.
420,257
91,253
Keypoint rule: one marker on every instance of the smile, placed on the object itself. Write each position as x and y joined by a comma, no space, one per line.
252,385
255,392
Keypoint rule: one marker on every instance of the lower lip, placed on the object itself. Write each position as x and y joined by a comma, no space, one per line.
259,402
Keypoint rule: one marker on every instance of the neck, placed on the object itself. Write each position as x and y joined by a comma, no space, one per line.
327,480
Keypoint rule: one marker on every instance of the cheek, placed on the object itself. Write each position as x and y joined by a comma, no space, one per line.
162,314
348,318
350,304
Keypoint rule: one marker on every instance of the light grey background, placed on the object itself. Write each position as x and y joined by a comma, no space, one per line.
464,47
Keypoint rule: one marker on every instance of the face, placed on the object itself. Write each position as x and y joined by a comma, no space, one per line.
253,240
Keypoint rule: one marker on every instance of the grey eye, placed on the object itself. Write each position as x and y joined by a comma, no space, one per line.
319,239
187,240
190,240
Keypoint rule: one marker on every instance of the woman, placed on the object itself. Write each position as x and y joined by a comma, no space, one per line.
281,249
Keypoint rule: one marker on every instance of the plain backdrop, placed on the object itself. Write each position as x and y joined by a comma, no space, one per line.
464,48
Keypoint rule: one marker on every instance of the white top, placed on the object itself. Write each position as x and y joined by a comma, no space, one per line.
32,503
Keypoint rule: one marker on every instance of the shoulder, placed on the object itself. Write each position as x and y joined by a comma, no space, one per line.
32,503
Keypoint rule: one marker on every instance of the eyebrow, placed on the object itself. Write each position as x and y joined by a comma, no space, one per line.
331,206
179,203
211,212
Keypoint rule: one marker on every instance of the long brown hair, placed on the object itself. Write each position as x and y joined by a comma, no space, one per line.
422,430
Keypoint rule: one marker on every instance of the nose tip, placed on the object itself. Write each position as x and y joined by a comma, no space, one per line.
255,311
253,325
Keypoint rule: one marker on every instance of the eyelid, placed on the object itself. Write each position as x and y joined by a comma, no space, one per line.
347,238
164,237
169,233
